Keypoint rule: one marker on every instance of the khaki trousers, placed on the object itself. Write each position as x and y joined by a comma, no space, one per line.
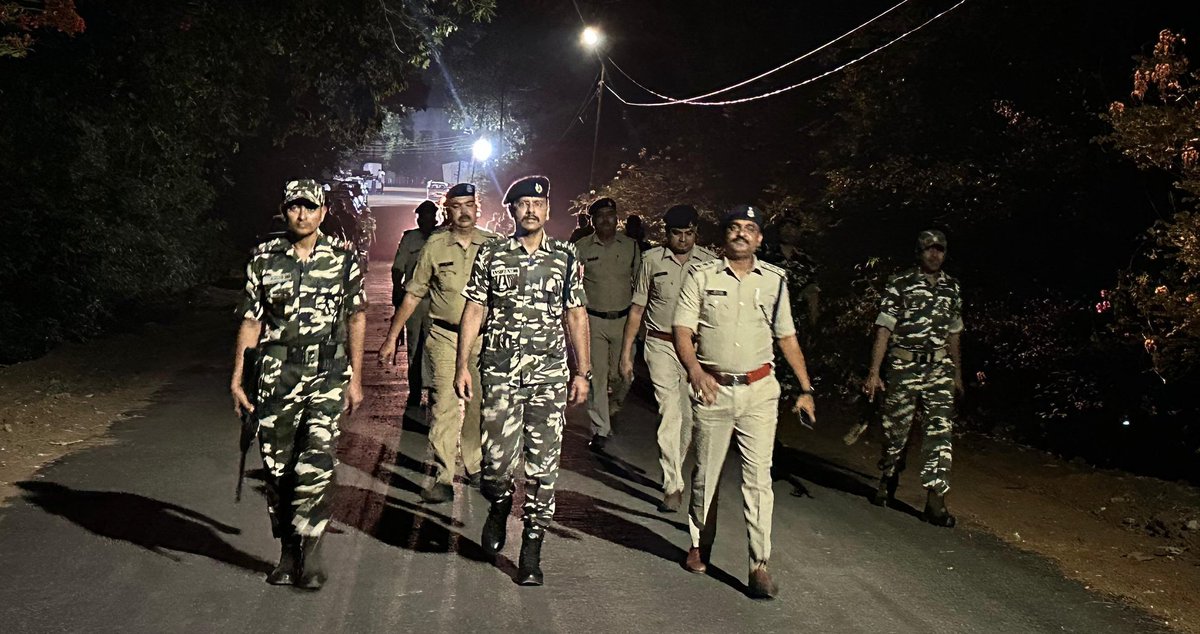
449,422
674,410
748,413
605,343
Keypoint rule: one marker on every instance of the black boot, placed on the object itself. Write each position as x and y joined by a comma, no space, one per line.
935,511
310,573
529,570
284,573
885,493
495,526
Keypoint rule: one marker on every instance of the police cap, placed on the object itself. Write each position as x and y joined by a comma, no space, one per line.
461,189
529,186
743,212
426,207
680,216
603,203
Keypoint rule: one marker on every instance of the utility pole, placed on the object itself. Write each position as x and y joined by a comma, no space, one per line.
596,137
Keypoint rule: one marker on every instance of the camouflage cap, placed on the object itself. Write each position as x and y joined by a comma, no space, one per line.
303,189
930,238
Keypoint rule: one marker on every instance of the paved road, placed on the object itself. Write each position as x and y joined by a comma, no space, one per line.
142,535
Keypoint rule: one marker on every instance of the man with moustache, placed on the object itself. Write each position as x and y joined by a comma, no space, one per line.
610,262
438,279
730,312
305,310
417,327
654,294
528,287
918,331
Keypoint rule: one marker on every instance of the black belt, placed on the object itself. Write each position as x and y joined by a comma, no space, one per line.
445,325
612,314
320,354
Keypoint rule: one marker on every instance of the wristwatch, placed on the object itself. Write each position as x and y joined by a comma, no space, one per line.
809,392
587,376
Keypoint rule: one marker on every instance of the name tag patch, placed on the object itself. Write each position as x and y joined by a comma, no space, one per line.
441,264
277,278
716,292
659,274
593,258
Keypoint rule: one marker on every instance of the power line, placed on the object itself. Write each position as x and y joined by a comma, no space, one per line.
810,80
820,48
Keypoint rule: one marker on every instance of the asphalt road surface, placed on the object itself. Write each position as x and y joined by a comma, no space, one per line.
142,535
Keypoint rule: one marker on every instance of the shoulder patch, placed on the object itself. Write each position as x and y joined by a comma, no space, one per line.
274,245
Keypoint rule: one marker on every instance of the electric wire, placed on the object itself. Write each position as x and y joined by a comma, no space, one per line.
810,80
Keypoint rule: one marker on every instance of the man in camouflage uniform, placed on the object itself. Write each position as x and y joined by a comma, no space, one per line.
730,313
417,326
304,308
529,286
784,251
918,331
438,279
610,261
654,294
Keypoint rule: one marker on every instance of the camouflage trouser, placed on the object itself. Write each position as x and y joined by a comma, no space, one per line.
449,423
298,413
605,344
749,415
930,387
529,415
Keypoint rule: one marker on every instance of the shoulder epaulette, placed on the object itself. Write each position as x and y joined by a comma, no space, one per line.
708,264
767,266
274,245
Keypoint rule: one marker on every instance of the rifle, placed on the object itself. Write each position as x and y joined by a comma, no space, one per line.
251,367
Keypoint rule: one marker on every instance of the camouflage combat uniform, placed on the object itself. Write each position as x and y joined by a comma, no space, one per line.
523,366
416,329
919,371
304,307
801,282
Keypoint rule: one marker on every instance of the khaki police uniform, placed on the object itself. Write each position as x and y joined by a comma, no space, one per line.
736,322
523,366
608,272
657,289
438,278
417,326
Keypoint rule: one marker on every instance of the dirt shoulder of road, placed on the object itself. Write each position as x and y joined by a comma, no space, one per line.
1129,538
68,399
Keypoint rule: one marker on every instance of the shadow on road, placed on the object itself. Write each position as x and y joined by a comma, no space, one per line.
403,524
160,527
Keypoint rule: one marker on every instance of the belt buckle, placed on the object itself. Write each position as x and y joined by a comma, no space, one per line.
923,357
740,379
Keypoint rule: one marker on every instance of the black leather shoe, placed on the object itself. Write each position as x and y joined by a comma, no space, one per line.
284,573
495,527
598,442
936,512
885,493
529,570
437,493
310,571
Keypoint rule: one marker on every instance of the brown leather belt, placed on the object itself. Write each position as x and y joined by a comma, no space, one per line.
445,325
726,378
916,356
658,334
611,314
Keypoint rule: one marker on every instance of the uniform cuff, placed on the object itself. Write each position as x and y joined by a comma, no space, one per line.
886,320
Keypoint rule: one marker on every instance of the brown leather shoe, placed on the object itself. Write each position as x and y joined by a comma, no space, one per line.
671,502
695,561
761,584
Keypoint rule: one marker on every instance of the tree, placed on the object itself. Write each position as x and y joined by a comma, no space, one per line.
20,20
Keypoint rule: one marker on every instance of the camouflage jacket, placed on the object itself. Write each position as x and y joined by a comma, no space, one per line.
801,270
920,314
526,296
302,303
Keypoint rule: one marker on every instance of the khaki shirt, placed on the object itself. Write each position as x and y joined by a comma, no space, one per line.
526,296
442,270
659,278
407,253
737,321
608,271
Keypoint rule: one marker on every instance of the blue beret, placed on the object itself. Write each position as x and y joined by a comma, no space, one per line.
743,212
535,186
603,203
428,206
461,189
680,216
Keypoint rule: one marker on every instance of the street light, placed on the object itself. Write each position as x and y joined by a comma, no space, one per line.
591,38
481,150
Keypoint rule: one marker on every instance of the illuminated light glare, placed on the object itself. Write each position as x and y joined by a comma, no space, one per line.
482,150
591,37
1125,423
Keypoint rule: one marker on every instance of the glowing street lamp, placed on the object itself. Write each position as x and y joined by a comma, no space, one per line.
481,150
591,37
